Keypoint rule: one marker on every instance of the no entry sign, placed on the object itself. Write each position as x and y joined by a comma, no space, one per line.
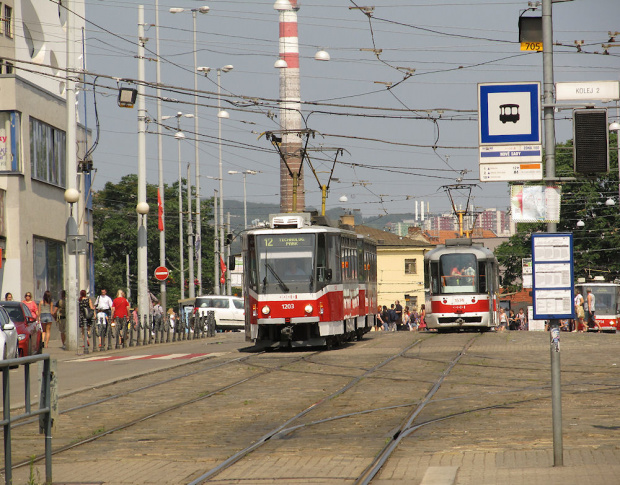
161,273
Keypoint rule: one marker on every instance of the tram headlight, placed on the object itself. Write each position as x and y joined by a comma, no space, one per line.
308,308
266,310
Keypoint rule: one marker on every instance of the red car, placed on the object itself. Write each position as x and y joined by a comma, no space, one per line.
29,333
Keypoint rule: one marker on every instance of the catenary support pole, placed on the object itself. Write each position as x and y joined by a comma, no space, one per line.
160,164
142,207
216,254
72,293
549,124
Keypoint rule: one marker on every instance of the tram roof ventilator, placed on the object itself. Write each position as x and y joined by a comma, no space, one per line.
290,221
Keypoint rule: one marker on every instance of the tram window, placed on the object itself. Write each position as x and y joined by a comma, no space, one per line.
435,278
333,258
323,271
252,274
359,266
458,273
482,276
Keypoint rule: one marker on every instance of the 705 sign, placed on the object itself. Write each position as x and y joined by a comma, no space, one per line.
531,46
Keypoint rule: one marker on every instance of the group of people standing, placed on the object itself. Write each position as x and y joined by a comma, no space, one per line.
512,320
45,312
398,318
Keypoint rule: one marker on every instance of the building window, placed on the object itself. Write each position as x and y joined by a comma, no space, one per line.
48,267
47,153
5,66
10,141
411,266
8,21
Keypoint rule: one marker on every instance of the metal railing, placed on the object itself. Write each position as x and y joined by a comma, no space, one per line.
44,411
124,332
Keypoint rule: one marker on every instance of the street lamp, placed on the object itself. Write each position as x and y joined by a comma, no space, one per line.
203,9
180,136
245,206
221,114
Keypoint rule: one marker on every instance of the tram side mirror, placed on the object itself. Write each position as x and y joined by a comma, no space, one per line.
231,262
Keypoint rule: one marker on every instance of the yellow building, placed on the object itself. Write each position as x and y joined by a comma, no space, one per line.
400,266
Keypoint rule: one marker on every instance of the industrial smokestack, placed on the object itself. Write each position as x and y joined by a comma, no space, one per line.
290,108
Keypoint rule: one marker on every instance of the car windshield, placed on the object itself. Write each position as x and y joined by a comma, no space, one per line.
15,312
238,304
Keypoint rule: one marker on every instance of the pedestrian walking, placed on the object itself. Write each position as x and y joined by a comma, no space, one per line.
503,320
414,320
61,317
32,306
422,325
522,318
513,322
392,318
385,316
47,311
398,309
378,320
103,303
579,312
591,310
87,313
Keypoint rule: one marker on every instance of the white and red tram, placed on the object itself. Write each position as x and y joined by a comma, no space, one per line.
606,303
463,283
307,285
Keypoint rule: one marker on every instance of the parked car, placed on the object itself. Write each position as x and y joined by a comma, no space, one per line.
8,337
28,330
229,311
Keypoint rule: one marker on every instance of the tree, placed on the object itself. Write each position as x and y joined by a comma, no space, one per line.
115,236
597,243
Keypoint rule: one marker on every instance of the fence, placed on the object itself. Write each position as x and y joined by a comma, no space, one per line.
44,411
123,332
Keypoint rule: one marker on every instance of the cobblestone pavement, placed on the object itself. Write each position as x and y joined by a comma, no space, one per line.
489,422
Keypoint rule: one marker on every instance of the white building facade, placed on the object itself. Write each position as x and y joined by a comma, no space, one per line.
33,150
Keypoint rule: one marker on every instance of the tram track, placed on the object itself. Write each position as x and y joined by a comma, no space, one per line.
159,412
304,404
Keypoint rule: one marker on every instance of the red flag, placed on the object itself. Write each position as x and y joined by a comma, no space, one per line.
160,212
223,271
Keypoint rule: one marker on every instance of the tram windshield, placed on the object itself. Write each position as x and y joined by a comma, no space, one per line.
285,262
606,300
458,273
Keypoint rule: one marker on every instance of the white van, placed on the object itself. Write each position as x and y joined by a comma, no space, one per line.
229,311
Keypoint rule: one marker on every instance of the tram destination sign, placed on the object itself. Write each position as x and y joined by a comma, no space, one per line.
288,240
552,276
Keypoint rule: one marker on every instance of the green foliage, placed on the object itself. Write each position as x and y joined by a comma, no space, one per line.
597,243
115,236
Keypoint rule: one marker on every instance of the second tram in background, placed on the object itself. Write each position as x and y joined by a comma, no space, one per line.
463,282
606,302
307,284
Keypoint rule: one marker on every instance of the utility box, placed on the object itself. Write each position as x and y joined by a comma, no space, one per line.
590,141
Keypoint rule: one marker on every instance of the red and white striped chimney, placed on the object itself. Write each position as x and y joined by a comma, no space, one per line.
290,106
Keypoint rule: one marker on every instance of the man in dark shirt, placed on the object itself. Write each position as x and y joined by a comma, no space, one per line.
399,314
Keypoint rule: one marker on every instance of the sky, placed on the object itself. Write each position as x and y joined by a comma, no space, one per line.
401,142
